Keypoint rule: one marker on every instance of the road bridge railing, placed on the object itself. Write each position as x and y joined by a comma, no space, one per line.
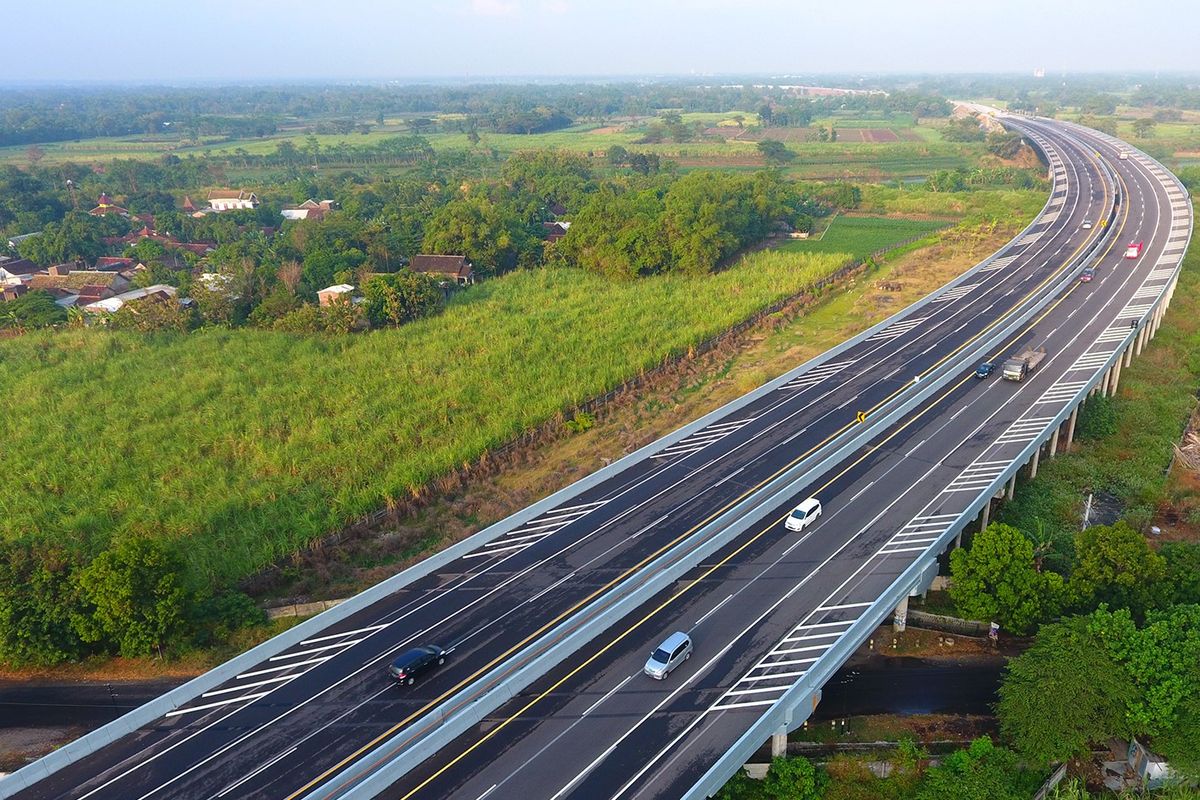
798,703
376,770
576,631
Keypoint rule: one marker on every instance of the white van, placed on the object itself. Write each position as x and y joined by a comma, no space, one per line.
804,515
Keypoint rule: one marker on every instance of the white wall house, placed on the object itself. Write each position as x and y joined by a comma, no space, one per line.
229,200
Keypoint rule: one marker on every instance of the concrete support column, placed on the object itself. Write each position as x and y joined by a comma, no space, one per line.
958,540
1141,340
1054,442
1071,425
1116,378
779,743
985,515
900,618
1012,487
1129,354
1033,463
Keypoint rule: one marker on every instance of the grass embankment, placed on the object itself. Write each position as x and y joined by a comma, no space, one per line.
1125,443
250,444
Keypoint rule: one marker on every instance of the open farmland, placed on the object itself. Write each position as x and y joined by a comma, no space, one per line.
861,236
249,444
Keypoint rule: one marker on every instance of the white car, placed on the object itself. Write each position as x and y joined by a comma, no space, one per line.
804,515
1087,225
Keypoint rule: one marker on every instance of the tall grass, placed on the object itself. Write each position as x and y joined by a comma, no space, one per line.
249,444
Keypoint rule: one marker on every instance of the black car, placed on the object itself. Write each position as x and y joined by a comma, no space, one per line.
985,369
415,662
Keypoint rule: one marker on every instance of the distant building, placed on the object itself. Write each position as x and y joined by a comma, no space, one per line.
111,305
309,209
110,264
333,294
232,200
554,231
106,206
15,271
86,286
449,269
12,292
13,241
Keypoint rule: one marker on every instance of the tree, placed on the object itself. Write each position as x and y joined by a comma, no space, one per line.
775,152
37,599
152,315
766,114
792,779
1115,565
1091,694
1003,144
1143,128
617,156
980,772
136,595
1182,582
996,579
963,129
35,309
490,234
401,297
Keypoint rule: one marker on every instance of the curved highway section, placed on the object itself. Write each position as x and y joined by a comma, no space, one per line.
549,615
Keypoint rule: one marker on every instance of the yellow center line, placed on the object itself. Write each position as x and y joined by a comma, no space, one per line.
597,593
697,581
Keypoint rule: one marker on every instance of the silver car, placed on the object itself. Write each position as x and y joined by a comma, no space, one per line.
674,650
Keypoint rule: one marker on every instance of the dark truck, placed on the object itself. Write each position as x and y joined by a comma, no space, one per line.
1020,365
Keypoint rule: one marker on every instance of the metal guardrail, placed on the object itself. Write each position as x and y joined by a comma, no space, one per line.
375,771
783,714
179,696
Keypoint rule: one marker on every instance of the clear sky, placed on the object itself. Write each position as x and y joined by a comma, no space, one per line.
179,40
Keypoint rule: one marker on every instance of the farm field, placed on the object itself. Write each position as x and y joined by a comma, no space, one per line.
861,236
868,149
249,444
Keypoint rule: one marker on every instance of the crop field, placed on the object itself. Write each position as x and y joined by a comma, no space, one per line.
867,149
861,236
250,444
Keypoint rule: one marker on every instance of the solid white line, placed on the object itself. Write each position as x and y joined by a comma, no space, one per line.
258,672
610,693
489,791
179,711
250,685
714,610
752,704
302,653
774,675
272,762
843,606
343,633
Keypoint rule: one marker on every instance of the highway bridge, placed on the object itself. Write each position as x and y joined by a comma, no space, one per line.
550,614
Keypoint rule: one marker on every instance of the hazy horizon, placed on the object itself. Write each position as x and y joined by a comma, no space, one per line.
493,40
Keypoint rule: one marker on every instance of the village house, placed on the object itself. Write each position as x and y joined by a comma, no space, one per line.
309,209
14,241
448,269
334,294
80,287
12,292
16,270
554,231
106,206
111,305
232,200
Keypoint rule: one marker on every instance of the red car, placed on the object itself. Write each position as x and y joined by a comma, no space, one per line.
1133,250
1087,275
